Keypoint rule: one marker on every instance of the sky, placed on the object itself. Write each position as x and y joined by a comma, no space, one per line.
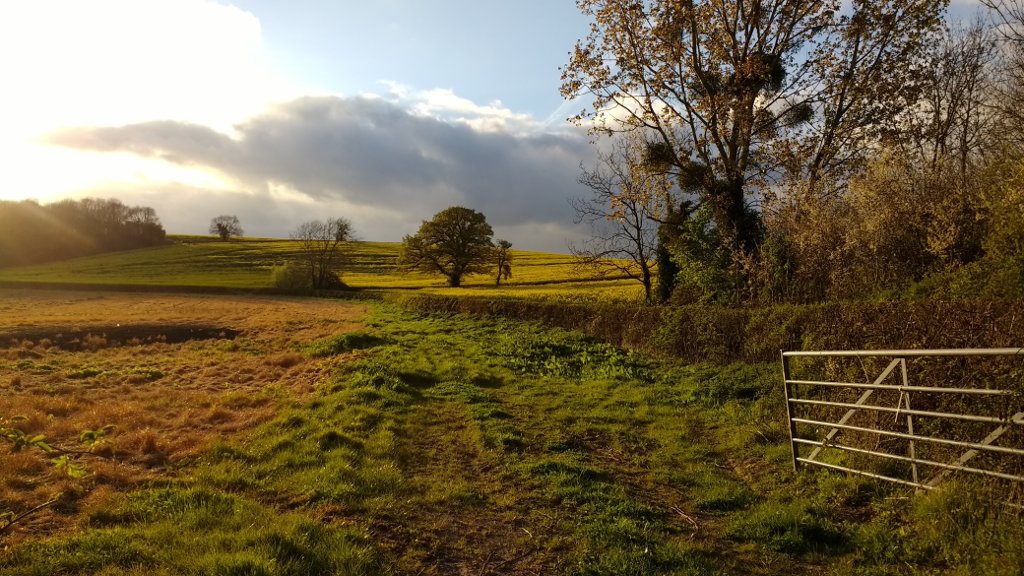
384,111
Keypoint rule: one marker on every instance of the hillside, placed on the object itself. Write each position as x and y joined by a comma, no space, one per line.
207,262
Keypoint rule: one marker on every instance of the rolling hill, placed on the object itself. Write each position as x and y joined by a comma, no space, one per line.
246,264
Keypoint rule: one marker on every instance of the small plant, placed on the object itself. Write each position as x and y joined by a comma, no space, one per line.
343,343
84,373
63,459
142,375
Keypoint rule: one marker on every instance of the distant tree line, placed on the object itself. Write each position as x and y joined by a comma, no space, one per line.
791,151
31,233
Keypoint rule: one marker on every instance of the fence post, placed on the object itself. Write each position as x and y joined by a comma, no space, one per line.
790,393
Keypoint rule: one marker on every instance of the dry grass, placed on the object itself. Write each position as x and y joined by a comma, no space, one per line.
166,400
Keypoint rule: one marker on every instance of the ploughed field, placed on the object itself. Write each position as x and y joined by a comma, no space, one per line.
273,435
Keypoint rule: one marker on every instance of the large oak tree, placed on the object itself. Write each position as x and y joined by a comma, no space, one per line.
455,242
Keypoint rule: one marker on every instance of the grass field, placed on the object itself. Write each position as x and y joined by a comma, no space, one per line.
324,437
200,261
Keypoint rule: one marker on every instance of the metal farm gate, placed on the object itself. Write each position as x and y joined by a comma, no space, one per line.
916,416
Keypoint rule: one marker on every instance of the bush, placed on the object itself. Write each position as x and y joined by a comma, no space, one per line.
293,277
697,333
343,343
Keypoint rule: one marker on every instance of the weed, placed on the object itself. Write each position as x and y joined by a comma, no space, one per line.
567,357
141,375
343,343
82,373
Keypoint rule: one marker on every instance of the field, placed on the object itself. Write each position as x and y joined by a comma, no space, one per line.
269,435
203,262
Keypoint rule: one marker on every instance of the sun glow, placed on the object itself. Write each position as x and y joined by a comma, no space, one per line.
47,173
112,62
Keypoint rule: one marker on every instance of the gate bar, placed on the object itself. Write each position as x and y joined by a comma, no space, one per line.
943,465
976,446
936,352
787,387
868,474
952,416
983,391
853,408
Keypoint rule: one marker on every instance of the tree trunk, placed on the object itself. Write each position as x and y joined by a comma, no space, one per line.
646,279
667,269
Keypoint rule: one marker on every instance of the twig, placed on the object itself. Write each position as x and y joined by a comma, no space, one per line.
514,559
687,517
483,567
26,514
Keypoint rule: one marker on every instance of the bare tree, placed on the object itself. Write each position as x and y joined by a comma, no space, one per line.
623,212
502,261
1008,26
321,250
952,125
1008,17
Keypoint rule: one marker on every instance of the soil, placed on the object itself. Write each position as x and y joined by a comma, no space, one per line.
77,337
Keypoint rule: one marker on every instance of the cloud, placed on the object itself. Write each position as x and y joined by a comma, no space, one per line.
386,161
445,104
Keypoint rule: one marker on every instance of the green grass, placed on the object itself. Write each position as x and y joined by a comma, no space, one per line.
486,446
202,261
197,531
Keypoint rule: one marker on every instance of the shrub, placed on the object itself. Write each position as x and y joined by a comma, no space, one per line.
343,343
293,277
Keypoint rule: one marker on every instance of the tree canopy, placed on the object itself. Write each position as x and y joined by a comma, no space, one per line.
226,226
455,242
622,211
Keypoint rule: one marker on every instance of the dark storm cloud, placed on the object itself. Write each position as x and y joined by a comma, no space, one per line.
371,152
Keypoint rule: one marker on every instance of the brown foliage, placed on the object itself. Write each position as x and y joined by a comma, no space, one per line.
167,400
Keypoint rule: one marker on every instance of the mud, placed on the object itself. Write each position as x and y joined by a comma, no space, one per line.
105,336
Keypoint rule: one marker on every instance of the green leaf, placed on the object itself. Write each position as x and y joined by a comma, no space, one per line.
75,471
69,466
